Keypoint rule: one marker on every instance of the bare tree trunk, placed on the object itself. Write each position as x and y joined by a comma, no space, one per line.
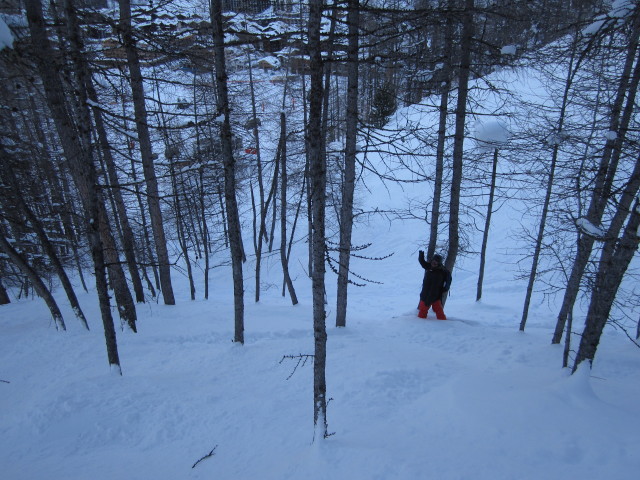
348,188
205,234
35,279
440,148
121,210
233,218
4,295
124,301
573,68
144,138
259,213
70,228
182,238
284,259
487,225
80,162
619,123
608,279
458,141
317,175
47,247
567,341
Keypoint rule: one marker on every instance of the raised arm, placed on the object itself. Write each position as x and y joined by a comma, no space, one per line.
422,261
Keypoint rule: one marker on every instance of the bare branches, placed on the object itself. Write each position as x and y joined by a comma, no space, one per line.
302,361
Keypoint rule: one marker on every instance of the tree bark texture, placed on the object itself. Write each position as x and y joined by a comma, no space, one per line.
233,218
128,241
458,140
317,176
349,181
487,225
441,145
80,163
146,152
124,301
608,280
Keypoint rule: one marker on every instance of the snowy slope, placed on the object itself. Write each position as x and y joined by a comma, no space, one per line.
469,398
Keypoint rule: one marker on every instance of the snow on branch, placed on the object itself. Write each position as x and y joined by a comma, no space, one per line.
591,230
491,134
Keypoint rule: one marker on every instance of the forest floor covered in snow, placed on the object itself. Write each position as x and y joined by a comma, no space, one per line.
469,398
466,398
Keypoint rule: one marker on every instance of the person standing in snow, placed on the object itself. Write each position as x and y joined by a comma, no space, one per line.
437,280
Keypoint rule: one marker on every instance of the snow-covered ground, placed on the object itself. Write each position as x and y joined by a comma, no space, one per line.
467,398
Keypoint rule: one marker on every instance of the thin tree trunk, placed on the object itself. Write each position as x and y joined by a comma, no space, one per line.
144,139
47,247
35,279
205,234
317,175
571,71
458,141
259,227
121,210
233,218
437,181
146,250
80,162
487,225
182,240
567,341
608,279
284,260
4,295
124,301
346,210
70,230
619,123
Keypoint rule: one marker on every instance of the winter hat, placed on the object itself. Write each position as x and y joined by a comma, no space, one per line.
437,258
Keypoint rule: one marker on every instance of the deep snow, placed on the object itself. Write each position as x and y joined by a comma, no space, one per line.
467,398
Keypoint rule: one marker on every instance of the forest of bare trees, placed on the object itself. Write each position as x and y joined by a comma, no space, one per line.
130,147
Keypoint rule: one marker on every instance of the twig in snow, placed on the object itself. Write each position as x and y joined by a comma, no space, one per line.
210,454
302,360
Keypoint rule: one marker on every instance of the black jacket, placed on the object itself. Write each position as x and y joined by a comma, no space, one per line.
437,280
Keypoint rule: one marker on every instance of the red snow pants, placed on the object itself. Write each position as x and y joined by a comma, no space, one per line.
423,309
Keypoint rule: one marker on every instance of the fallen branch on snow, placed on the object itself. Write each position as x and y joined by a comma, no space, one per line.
302,360
210,454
